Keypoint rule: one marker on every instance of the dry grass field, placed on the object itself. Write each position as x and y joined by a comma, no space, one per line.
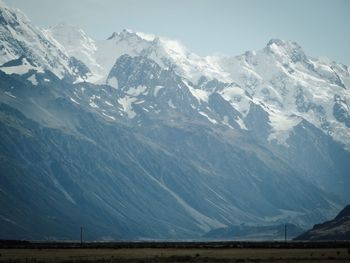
147,255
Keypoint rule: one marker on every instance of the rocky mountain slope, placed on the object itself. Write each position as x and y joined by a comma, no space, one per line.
336,229
139,138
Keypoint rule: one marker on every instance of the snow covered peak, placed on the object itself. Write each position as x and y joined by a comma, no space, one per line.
100,55
71,38
11,16
166,52
279,42
283,49
292,86
172,53
19,37
123,34
173,47
146,36
285,44
14,17
76,43
127,33
288,84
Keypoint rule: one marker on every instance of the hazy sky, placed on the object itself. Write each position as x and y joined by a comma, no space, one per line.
321,27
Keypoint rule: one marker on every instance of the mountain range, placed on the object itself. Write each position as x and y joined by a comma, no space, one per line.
136,137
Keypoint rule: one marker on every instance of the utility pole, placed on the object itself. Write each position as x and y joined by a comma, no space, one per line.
285,233
81,236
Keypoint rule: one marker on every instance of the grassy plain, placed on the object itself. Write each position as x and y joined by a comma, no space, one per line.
148,255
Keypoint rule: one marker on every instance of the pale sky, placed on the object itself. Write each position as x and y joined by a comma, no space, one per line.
207,27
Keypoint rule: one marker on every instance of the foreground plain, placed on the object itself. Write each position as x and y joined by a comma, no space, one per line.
182,254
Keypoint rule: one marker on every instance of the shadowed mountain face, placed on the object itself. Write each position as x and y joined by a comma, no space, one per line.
336,229
162,147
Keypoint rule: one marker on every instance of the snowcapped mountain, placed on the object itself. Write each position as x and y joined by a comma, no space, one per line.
291,87
20,38
100,55
137,137
76,43
281,78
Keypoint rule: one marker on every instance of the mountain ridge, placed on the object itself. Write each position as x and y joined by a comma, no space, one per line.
335,229
293,67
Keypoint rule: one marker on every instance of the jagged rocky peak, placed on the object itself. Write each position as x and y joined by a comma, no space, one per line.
123,34
276,41
12,17
282,43
285,48
144,44
135,71
154,42
126,34
114,35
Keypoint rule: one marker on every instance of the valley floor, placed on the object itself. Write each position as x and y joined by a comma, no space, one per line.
120,255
